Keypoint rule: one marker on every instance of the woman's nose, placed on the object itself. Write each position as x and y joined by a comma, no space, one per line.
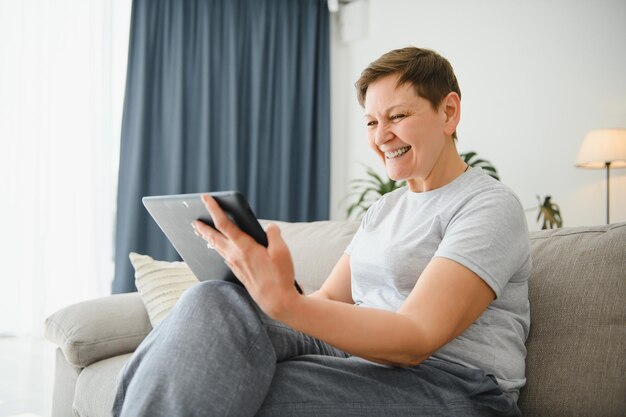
382,134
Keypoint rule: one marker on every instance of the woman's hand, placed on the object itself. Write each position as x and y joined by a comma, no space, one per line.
267,273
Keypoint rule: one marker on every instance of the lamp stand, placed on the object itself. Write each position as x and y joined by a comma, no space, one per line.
607,165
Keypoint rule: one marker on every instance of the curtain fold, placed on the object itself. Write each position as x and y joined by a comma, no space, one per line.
223,94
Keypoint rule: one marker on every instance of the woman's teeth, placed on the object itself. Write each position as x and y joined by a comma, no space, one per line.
397,152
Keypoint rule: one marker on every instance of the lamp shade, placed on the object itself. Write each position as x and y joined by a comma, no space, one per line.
601,147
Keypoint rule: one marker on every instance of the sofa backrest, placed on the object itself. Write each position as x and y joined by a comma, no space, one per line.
576,363
315,248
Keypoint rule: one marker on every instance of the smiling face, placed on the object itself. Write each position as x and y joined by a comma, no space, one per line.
413,140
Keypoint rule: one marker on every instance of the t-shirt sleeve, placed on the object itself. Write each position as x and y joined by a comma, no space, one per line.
489,236
354,240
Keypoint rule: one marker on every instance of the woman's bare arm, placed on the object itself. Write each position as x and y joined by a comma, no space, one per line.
446,300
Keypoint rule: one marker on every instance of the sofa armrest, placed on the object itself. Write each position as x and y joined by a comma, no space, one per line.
98,329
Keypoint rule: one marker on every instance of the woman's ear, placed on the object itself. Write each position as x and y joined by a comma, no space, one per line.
451,108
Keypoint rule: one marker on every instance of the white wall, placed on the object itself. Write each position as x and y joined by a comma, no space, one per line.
535,77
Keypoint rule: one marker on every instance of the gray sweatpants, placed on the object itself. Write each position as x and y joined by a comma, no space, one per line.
218,354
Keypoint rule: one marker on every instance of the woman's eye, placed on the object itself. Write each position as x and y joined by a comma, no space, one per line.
371,123
398,116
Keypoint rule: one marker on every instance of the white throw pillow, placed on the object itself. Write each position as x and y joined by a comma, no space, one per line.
160,284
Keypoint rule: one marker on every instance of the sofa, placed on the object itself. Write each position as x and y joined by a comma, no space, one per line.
576,362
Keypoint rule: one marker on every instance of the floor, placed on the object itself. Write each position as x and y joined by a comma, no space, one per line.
26,376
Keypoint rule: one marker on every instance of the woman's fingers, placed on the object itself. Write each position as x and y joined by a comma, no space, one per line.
279,253
215,240
226,238
221,220
276,244
222,245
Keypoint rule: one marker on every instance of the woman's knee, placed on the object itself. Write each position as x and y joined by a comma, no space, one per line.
212,292
214,299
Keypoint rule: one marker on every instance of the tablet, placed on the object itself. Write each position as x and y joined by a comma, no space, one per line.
174,215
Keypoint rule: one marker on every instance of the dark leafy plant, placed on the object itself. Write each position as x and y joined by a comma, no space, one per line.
549,214
471,160
369,190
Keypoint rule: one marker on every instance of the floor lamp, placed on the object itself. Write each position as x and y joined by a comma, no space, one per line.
603,149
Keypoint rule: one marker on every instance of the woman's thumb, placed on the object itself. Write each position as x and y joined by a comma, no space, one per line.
274,238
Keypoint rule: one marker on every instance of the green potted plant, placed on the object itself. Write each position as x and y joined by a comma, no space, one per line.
471,160
549,214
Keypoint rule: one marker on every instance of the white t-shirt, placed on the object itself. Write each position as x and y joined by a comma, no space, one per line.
475,221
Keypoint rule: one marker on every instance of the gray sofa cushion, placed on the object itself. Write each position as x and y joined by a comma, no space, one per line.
95,387
65,376
576,362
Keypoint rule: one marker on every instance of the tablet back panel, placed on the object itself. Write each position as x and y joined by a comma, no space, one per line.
174,215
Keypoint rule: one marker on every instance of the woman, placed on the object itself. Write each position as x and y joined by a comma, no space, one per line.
426,313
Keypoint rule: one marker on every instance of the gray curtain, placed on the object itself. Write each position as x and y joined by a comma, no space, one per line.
221,95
